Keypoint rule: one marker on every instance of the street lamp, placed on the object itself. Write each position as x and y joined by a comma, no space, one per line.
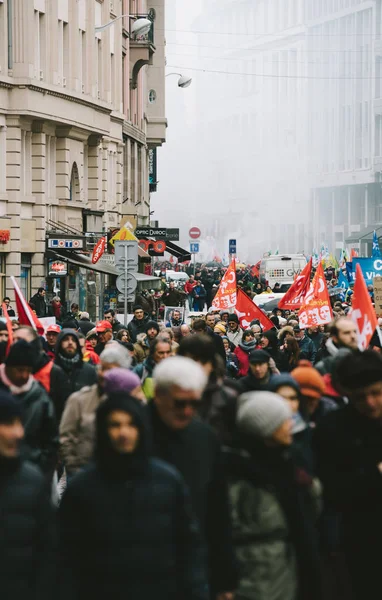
141,26
183,81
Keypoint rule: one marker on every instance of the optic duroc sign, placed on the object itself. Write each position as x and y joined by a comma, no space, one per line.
163,233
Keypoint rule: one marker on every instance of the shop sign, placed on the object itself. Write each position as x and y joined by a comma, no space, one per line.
99,249
57,268
73,244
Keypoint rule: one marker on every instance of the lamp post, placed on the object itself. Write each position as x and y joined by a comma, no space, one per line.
141,26
183,81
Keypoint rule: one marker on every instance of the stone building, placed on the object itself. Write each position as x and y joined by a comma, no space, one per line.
76,129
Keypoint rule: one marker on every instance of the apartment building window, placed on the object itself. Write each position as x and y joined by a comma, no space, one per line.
378,76
112,180
99,69
25,275
74,190
50,180
83,62
39,45
26,162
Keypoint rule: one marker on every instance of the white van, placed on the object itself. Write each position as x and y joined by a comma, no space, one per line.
282,269
176,276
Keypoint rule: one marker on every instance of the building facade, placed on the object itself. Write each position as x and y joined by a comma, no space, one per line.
76,127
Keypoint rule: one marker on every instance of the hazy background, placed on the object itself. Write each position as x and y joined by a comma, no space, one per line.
234,163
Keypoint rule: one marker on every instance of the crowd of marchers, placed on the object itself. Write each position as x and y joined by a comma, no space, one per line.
190,462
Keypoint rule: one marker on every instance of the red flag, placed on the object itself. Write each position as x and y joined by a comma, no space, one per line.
247,311
316,308
226,295
295,295
363,313
24,311
255,271
9,326
353,254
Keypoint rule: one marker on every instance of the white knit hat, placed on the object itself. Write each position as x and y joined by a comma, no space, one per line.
261,413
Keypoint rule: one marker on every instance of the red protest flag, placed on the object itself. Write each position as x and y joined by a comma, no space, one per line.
247,311
255,271
295,295
9,327
24,311
316,308
363,313
226,295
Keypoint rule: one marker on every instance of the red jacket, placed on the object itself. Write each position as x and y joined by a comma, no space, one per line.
189,286
243,358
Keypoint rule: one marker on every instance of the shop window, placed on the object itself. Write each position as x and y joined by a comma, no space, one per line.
25,275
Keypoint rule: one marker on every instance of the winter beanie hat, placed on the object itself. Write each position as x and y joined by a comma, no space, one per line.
261,413
219,327
152,325
9,408
21,354
277,381
120,380
311,382
234,318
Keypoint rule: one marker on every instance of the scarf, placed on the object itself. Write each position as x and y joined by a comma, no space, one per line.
248,346
16,391
69,363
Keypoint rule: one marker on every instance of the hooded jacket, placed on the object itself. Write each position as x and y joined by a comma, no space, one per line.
28,536
78,374
127,528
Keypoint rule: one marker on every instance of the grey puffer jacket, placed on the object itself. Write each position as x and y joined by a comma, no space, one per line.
273,528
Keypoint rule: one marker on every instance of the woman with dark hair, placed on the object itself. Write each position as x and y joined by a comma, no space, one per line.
269,343
123,335
291,352
243,350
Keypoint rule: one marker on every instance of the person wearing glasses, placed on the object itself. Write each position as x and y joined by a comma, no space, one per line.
184,441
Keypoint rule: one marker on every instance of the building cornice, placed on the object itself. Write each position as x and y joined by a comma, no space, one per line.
133,132
44,88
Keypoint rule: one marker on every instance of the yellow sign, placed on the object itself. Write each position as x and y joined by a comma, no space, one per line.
123,234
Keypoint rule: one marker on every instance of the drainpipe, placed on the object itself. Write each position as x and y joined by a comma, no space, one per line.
10,35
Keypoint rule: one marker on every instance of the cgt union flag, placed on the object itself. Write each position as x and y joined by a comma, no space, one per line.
316,308
247,311
363,313
227,292
295,295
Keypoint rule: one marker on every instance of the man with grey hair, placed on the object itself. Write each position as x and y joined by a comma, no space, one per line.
77,427
191,446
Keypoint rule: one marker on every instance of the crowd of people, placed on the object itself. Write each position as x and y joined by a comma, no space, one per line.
190,461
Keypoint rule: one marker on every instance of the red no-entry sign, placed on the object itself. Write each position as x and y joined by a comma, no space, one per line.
195,233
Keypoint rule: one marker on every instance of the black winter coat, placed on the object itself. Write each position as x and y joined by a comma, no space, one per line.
40,304
77,375
195,452
135,327
348,448
28,535
40,442
249,383
85,325
132,539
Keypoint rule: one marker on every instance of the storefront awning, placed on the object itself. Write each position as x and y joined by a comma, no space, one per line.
84,261
179,253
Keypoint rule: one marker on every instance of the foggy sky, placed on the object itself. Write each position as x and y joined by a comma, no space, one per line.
222,157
